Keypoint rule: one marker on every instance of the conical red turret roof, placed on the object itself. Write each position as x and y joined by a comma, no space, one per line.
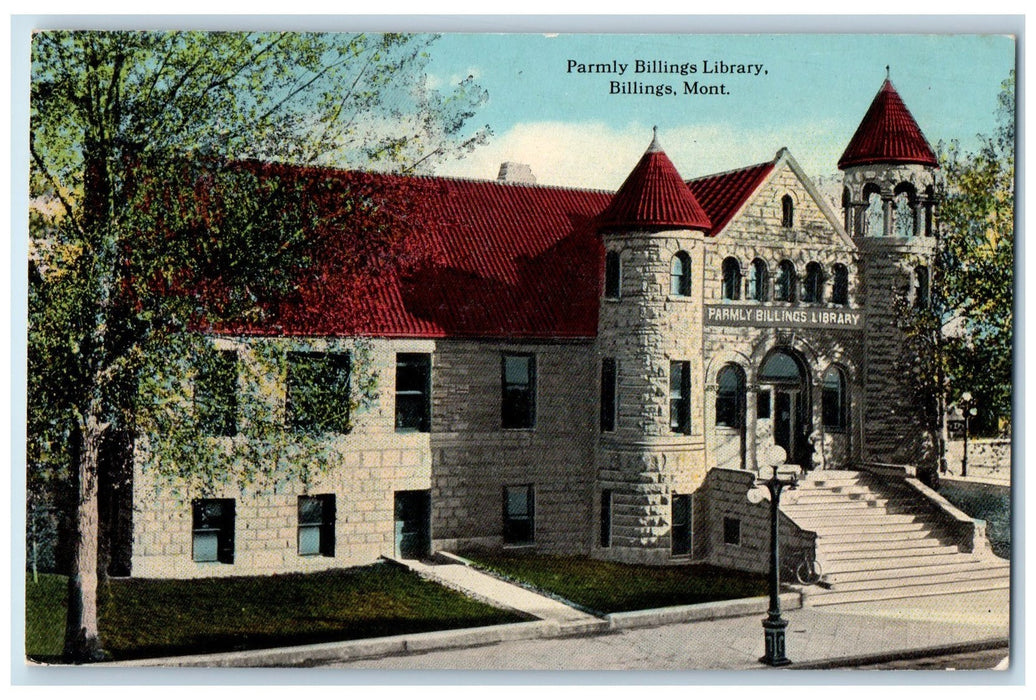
655,197
888,134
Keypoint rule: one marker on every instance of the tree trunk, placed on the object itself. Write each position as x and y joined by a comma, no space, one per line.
82,642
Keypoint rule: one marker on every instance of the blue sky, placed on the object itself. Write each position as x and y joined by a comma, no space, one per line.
811,96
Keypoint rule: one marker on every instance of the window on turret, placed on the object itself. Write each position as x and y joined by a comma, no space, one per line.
840,285
834,400
921,287
730,397
813,292
609,393
784,289
680,397
787,211
758,280
612,275
680,277
731,279
874,216
847,210
904,211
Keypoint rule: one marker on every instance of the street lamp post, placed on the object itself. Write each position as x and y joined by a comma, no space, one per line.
773,479
969,409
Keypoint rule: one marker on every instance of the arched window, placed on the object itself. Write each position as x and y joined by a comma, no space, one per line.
840,285
904,210
780,368
612,275
921,287
731,279
814,289
834,400
680,280
784,289
758,280
730,397
787,211
929,197
874,215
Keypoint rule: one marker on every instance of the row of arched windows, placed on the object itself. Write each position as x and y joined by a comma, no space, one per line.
907,215
786,285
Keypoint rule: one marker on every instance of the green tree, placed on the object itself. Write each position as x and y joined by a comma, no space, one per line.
141,231
962,341
976,265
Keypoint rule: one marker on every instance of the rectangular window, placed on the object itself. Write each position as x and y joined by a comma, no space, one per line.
518,374
680,397
215,393
681,527
762,403
609,393
732,531
606,517
213,530
317,525
519,511
413,392
318,392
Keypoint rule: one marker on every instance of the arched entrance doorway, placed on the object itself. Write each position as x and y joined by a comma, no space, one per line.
785,411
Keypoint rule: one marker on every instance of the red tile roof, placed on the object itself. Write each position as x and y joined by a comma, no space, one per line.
723,194
654,196
505,260
888,134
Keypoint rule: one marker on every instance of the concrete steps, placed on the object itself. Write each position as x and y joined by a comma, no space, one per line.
878,542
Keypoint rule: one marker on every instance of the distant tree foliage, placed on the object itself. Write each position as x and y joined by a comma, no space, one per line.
961,341
143,235
976,265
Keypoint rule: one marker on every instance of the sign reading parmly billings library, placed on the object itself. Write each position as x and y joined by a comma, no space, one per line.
765,316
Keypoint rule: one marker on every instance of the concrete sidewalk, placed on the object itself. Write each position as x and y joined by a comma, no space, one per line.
833,636
459,576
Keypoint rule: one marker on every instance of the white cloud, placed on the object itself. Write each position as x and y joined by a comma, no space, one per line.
595,155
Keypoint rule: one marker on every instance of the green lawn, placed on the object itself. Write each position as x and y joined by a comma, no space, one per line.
607,587
147,617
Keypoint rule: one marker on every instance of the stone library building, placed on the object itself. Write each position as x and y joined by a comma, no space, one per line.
601,374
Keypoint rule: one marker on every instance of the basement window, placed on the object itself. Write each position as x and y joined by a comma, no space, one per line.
732,531
213,530
317,525
519,515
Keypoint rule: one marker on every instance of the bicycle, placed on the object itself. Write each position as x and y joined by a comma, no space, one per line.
805,568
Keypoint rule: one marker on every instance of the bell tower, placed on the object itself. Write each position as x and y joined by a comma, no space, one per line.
649,355
888,201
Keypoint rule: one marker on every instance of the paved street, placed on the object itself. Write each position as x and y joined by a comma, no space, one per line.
814,634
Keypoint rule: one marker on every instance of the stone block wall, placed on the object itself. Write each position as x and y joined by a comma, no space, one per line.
643,461
724,495
474,457
894,429
364,469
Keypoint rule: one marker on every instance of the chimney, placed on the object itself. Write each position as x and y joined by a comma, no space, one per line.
516,174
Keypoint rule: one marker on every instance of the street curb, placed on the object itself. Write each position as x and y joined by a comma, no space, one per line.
317,654
701,612
900,655
352,650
